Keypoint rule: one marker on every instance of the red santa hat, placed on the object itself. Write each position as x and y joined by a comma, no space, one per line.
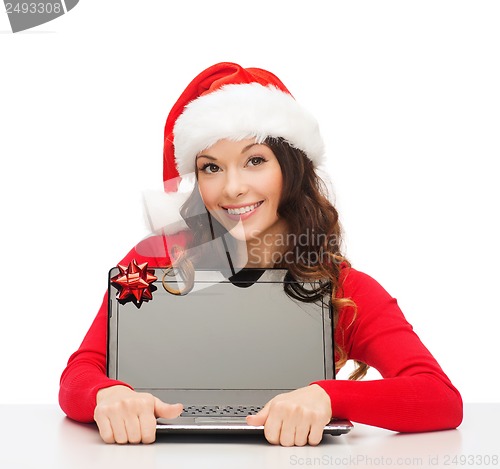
227,101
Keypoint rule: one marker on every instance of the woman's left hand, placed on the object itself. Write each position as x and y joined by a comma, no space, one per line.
295,418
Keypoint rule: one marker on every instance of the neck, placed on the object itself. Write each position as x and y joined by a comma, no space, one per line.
265,250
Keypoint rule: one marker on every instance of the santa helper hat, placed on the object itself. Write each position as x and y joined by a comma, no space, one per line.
225,101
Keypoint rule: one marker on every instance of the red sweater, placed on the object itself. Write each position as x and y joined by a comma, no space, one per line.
414,394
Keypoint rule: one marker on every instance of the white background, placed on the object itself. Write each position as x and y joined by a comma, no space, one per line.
408,100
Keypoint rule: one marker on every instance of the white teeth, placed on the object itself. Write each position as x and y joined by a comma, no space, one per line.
241,210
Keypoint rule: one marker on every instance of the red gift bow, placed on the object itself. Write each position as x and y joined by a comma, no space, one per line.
134,281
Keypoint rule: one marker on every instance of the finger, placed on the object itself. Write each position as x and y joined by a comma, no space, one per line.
167,411
105,430
119,430
315,434
273,428
260,417
302,434
133,429
148,427
288,429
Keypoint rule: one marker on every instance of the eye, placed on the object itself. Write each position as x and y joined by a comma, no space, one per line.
209,168
256,160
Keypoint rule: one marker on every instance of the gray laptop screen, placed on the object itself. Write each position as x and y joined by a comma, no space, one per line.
220,336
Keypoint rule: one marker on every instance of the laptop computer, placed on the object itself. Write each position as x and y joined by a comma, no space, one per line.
223,349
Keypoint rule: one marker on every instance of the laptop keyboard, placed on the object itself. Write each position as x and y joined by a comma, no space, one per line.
215,410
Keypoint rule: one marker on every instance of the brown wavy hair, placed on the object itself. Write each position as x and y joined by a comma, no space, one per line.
305,206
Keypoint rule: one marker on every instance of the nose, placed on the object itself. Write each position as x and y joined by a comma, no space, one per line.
235,184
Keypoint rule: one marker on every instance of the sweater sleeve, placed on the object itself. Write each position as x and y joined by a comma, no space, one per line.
85,373
414,394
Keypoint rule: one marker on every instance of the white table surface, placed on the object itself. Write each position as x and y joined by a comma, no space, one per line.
40,436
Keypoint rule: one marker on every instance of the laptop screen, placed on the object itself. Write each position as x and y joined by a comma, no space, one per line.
220,336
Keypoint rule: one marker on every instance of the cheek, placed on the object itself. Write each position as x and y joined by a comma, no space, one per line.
273,185
207,191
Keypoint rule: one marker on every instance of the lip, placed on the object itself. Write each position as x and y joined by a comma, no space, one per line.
240,217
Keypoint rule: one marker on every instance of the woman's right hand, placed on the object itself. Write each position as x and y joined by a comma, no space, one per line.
127,416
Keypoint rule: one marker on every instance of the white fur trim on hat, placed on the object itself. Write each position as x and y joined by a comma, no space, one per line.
240,111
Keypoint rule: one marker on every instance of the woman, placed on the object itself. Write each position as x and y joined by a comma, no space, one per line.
254,153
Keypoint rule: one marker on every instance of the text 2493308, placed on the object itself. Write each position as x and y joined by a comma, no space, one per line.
474,460
38,8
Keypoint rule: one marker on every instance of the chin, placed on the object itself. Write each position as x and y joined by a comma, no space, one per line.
239,234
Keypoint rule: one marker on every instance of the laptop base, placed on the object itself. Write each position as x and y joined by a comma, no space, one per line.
234,425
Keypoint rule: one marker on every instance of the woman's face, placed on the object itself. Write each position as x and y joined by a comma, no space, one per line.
240,184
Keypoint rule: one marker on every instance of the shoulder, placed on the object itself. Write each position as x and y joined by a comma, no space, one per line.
370,302
356,284
371,313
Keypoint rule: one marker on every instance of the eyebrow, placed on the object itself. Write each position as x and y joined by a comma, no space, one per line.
245,149
249,146
206,156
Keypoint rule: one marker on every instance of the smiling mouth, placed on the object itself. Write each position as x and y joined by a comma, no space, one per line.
243,210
